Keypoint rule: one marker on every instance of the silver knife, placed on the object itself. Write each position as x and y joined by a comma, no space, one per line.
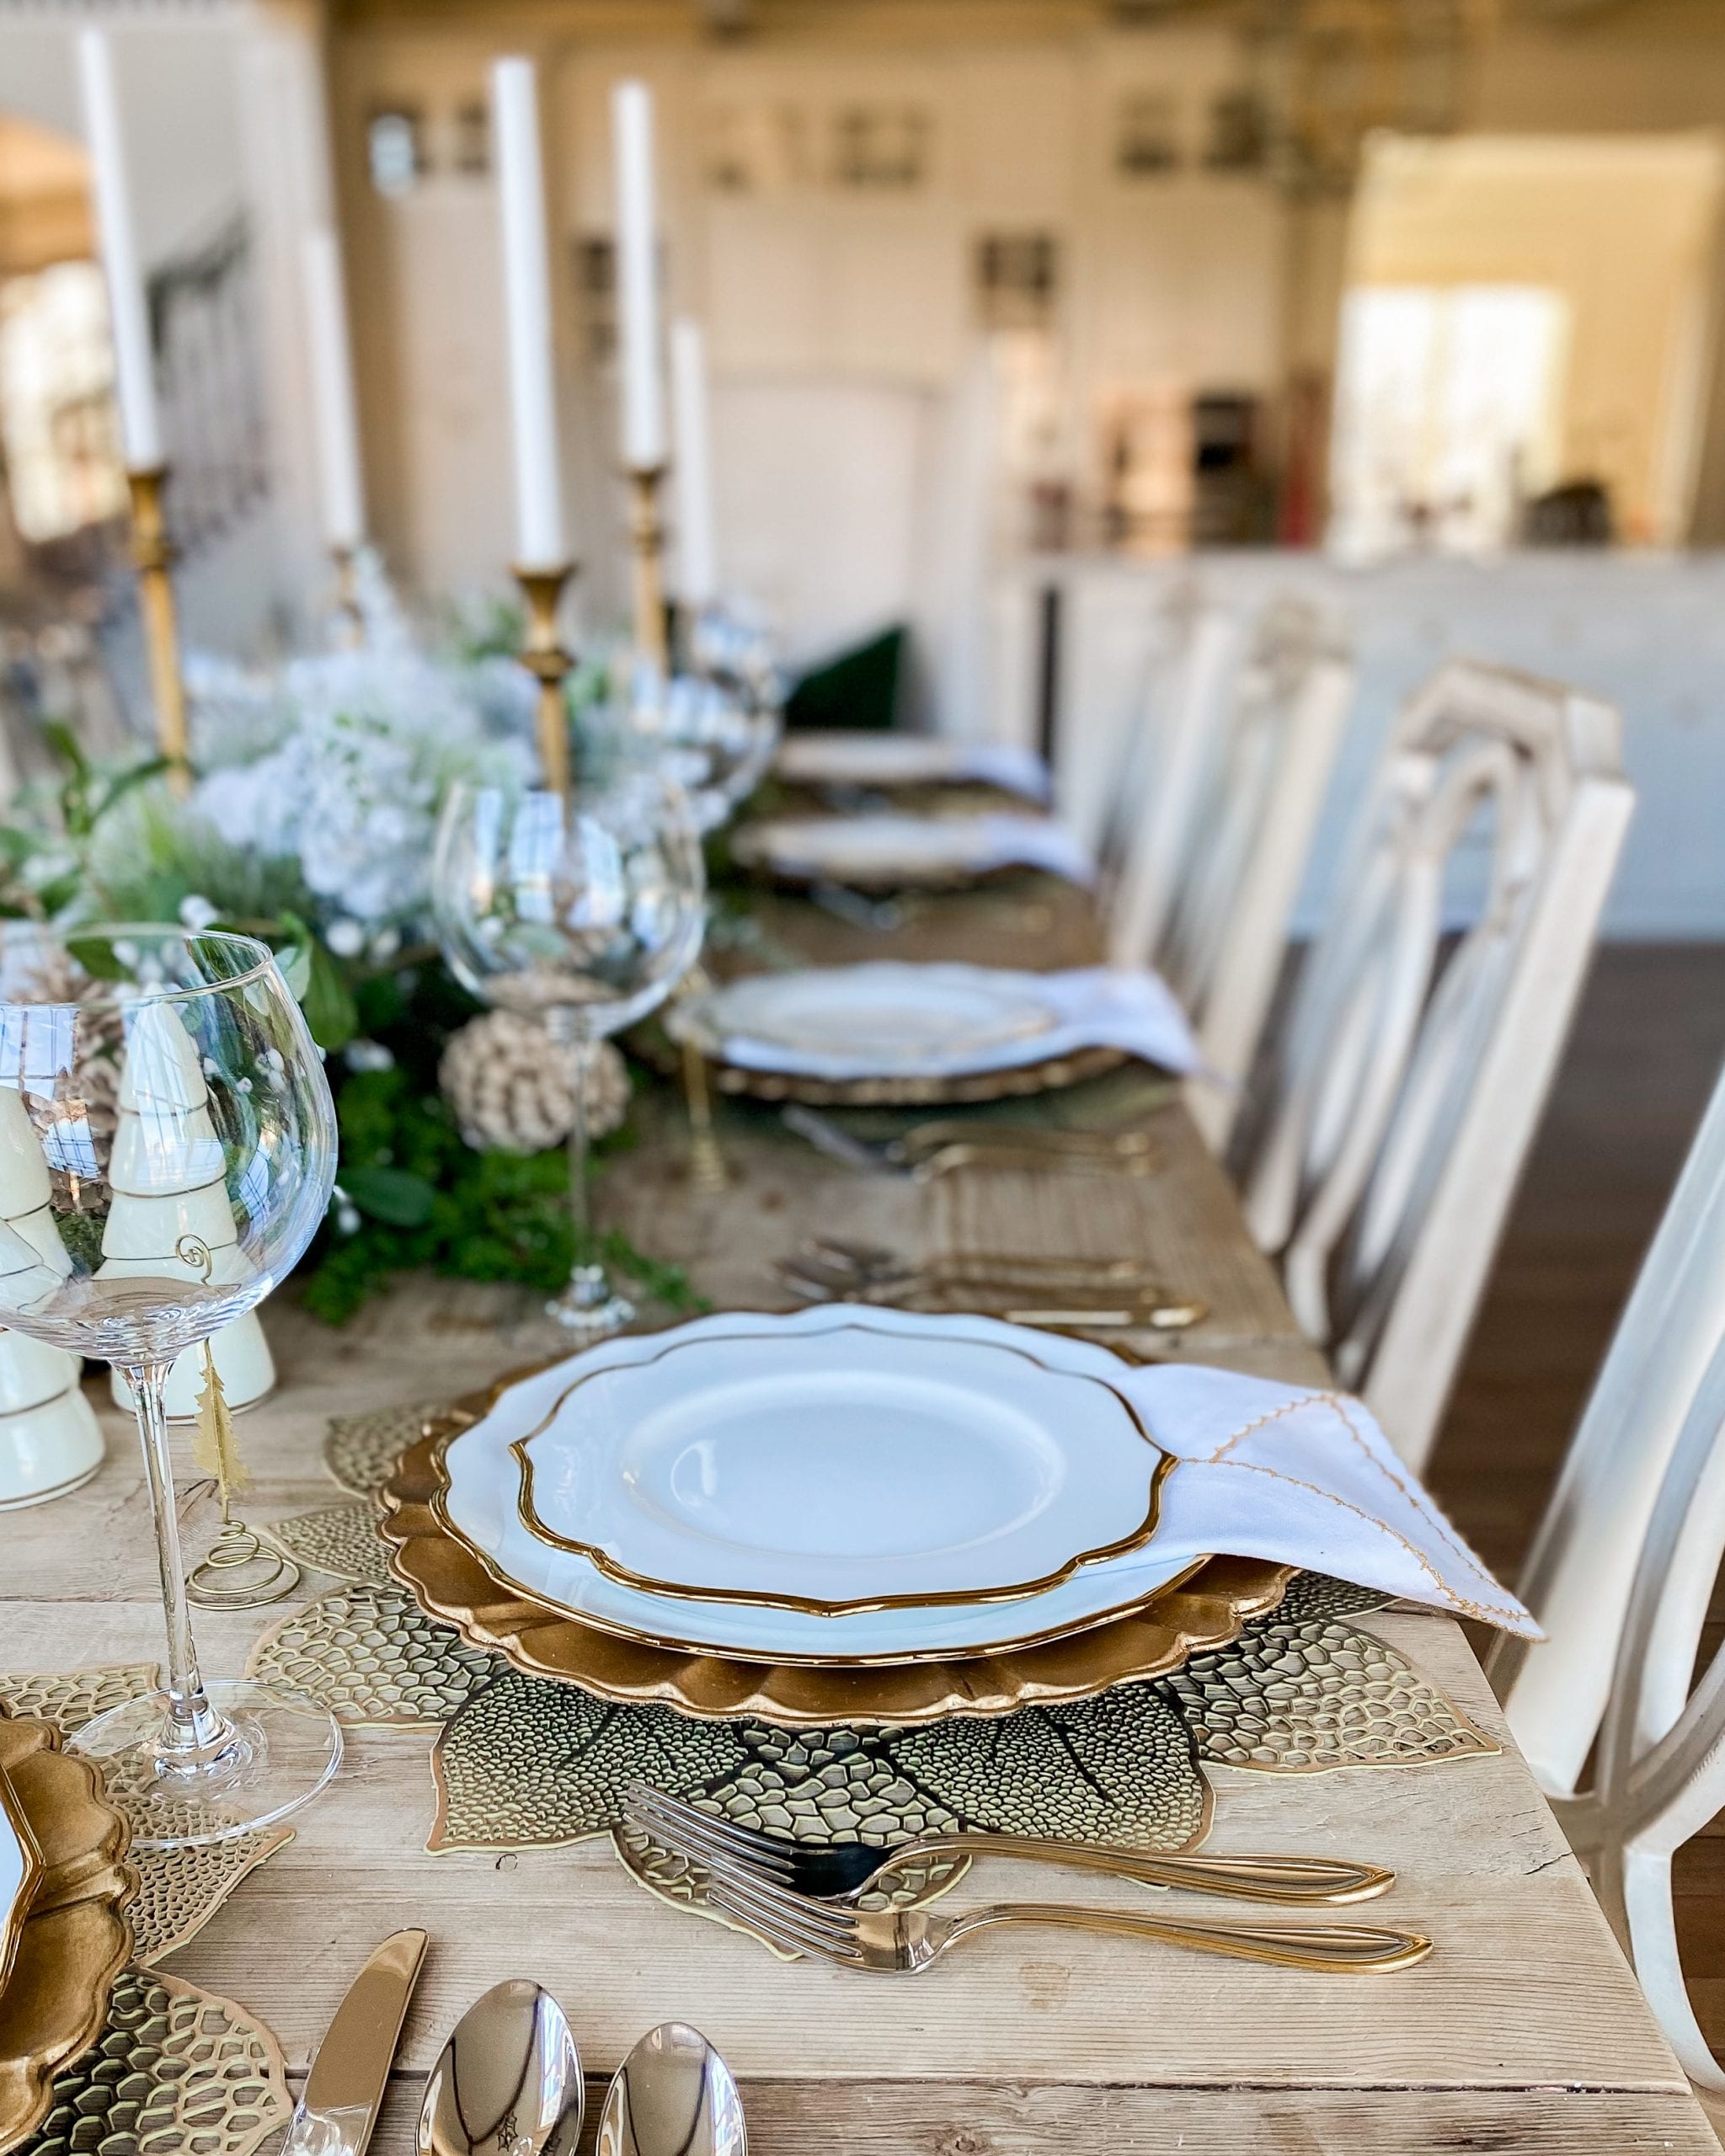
338,2108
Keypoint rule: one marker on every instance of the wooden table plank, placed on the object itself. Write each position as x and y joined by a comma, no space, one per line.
895,2118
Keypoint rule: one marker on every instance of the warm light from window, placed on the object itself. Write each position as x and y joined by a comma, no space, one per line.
56,402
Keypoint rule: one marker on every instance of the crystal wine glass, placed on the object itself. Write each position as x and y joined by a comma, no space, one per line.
167,1151
715,737
582,910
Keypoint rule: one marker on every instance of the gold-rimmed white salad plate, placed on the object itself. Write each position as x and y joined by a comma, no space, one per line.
21,1874
834,1485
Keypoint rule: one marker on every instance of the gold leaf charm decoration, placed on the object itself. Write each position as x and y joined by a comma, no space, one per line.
217,1447
264,1575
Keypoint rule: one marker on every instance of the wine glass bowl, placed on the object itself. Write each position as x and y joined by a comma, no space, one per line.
583,911
167,1151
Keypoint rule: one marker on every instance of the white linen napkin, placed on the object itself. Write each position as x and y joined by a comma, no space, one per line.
886,849
1304,1478
1129,1008
848,759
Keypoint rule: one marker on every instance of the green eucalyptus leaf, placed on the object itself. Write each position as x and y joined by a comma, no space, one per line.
389,1194
96,955
328,1001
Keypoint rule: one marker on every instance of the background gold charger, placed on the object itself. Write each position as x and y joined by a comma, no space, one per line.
1206,1610
76,1938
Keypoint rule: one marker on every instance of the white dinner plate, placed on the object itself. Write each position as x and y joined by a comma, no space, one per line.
904,851
927,1019
834,1484
20,1874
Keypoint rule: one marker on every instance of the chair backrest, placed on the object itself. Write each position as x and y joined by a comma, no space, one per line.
1412,1075
1621,1576
1265,772
1159,775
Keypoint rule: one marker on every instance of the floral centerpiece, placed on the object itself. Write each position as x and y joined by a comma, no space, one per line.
310,823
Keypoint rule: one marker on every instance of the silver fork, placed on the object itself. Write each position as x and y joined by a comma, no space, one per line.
845,1870
898,1940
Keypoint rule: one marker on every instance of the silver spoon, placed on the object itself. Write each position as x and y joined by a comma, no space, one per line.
507,2083
673,2095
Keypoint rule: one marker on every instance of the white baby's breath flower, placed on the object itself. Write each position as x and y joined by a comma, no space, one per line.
196,912
346,938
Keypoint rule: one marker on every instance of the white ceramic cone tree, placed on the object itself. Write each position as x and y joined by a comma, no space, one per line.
50,1439
167,1177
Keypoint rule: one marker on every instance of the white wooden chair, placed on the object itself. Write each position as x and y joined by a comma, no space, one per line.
1621,1576
1262,777
1411,1077
1160,771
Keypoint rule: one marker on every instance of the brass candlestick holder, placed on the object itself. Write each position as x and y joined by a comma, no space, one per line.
153,557
547,660
647,539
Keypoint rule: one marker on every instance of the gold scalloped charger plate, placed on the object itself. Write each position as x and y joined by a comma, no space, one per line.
1051,1076
1205,1610
75,1940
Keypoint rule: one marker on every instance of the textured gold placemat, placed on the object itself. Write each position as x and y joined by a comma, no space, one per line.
179,1890
523,1762
176,2071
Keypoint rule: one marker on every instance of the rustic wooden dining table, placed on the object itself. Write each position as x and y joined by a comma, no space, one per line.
1524,2031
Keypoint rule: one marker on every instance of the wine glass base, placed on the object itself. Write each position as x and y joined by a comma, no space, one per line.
589,1320
284,1750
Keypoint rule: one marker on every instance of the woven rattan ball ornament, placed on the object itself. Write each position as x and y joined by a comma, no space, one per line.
512,1087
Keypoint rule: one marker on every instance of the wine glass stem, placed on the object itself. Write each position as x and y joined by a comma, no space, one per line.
586,1271
192,1730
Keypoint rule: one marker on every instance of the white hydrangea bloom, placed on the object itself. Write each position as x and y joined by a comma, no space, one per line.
343,760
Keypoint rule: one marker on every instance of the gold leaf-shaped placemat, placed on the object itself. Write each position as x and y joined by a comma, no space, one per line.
1292,1698
176,2071
374,1658
179,1890
360,1450
69,1700
342,1541
529,1763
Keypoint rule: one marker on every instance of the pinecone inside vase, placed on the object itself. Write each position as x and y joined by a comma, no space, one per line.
512,1087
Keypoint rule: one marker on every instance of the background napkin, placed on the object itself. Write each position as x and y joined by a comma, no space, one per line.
846,759
879,849
1095,1006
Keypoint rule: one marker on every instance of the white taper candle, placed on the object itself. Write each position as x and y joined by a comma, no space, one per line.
541,543
134,369
638,277
697,566
332,393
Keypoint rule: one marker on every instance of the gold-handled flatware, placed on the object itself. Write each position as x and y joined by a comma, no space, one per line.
707,1170
845,1870
931,1150
1072,1299
906,1941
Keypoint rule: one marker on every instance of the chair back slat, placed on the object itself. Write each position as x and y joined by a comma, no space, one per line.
1580,1573
1415,1064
